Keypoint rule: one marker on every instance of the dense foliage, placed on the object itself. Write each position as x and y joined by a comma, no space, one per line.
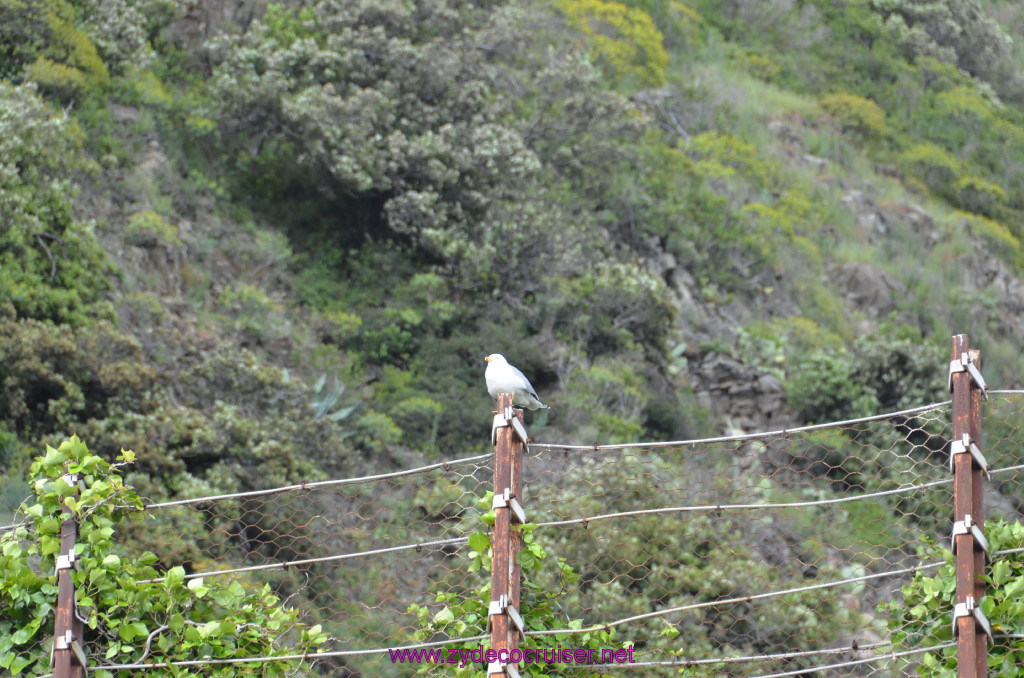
923,615
124,600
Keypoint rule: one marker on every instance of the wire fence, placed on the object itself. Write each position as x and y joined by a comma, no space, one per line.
764,554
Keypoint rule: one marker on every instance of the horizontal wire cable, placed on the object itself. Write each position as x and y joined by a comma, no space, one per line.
313,656
745,436
308,656
320,484
322,559
1004,469
726,507
324,483
766,505
756,596
755,657
737,599
446,542
857,662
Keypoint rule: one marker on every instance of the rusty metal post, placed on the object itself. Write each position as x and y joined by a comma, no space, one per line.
967,461
506,544
68,656
967,663
978,513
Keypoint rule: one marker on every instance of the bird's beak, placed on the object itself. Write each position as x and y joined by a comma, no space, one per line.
487,358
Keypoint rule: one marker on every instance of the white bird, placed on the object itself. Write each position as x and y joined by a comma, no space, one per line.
504,378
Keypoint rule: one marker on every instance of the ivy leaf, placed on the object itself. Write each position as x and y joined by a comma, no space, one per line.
1000,572
1015,589
479,542
175,576
19,664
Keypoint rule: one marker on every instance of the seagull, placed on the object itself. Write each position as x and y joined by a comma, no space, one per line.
504,378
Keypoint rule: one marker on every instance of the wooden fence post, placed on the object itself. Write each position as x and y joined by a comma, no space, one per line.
968,464
506,624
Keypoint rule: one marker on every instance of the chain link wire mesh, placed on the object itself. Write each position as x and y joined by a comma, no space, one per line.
769,528
758,555
350,556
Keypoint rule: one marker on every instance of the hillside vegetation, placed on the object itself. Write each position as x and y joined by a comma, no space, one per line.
264,243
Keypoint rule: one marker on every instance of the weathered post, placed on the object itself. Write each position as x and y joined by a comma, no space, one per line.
506,624
68,655
970,626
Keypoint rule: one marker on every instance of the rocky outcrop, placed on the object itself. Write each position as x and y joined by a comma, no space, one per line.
869,288
746,397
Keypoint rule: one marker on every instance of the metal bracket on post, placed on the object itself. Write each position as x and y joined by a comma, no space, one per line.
65,562
968,608
968,526
61,643
508,418
966,364
68,642
964,446
504,606
508,500
76,649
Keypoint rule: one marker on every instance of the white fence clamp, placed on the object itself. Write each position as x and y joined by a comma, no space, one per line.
61,643
968,526
508,418
966,364
969,609
965,445
507,500
64,642
503,606
68,642
64,563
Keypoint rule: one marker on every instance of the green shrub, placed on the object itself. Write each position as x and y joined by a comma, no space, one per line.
67,61
148,228
856,114
720,155
892,369
615,306
608,396
623,37
979,196
51,265
376,432
936,167
759,66
999,239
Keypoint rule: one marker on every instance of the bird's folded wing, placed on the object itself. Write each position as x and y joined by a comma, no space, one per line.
526,382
